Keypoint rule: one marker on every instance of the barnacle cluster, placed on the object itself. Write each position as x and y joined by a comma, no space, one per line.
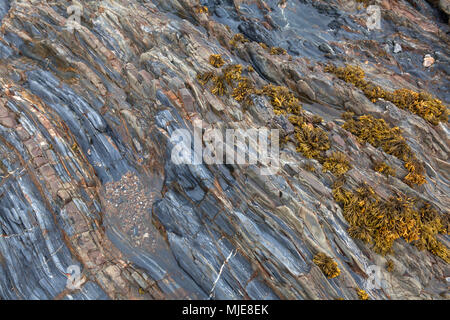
380,222
382,167
379,134
328,266
362,295
337,163
422,104
216,60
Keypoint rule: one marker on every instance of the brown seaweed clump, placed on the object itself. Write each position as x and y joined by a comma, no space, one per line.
238,38
282,100
201,9
337,163
223,80
380,222
421,104
232,73
277,51
316,119
263,45
390,265
362,295
216,60
383,168
328,266
204,78
431,225
364,2
380,135
243,91
311,141
415,175
220,87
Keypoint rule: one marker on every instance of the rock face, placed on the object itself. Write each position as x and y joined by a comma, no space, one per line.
444,5
89,101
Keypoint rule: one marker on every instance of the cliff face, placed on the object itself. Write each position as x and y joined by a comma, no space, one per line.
87,178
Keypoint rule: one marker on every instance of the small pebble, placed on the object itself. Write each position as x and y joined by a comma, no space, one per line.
428,61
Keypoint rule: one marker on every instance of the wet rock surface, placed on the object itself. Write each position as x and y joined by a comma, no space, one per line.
87,178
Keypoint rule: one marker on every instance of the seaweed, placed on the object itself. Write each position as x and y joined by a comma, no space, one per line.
309,167
263,45
201,9
362,295
415,175
219,88
277,51
74,147
216,60
316,119
380,222
327,265
430,226
383,168
337,163
380,135
421,104
390,265
204,78
311,141
222,80
282,99
238,38
243,91
232,73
